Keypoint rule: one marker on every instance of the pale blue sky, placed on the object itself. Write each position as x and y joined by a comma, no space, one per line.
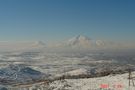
55,20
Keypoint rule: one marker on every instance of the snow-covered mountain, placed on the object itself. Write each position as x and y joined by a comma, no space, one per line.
81,42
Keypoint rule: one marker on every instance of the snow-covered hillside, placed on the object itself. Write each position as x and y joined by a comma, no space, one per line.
20,74
111,82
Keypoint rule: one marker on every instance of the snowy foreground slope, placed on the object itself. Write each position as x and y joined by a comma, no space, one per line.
111,82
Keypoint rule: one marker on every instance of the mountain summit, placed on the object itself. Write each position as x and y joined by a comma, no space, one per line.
79,41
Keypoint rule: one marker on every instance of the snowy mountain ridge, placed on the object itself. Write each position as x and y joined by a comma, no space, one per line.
80,41
77,42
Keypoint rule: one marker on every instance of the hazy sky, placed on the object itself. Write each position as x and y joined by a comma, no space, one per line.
52,20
